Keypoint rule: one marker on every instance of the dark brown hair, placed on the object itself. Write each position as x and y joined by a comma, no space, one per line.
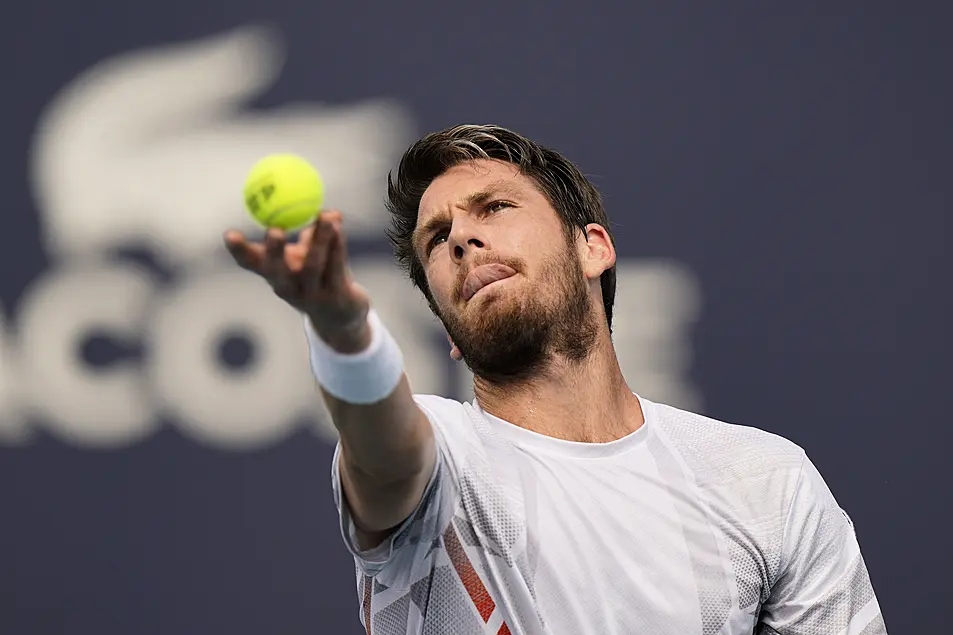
569,192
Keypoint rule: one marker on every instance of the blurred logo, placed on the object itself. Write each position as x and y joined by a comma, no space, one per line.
153,147
145,154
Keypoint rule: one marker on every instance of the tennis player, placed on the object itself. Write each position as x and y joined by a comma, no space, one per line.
559,501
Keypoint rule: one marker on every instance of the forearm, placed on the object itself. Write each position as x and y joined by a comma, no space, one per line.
380,502
387,443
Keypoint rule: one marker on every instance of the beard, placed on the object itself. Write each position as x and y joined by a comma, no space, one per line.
511,339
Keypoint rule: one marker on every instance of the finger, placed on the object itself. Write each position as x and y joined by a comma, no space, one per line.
306,236
275,242
332,215
316,258
336,268
275,268
296,248
247,255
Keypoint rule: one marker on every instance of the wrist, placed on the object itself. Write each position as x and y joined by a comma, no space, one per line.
366,376
347,340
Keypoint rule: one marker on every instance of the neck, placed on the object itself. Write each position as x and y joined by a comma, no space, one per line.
586,401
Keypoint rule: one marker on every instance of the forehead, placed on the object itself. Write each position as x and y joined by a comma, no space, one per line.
461,182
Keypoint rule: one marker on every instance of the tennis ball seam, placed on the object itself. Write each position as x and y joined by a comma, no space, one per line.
270,218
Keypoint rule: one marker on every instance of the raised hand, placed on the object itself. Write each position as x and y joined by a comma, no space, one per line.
312,275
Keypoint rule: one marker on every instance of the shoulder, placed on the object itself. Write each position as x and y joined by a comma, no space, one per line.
452,420
440,410
716,450
749,478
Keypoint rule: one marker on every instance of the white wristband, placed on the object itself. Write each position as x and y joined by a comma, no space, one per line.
360,378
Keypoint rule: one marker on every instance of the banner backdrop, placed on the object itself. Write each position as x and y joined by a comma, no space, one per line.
778,176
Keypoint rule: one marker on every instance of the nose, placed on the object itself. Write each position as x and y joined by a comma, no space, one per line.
465,238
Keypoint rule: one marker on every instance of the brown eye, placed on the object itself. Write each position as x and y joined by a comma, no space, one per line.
440,237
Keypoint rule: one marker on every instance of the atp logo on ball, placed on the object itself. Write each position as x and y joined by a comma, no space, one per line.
103,349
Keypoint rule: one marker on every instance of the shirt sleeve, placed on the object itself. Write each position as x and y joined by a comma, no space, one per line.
408,546
823,586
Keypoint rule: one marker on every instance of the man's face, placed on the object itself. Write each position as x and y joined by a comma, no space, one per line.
507,282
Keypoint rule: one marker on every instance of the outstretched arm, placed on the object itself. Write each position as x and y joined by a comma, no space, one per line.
387,443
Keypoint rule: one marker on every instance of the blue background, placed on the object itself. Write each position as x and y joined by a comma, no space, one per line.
795,157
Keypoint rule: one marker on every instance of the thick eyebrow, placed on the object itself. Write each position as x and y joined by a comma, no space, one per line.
475,199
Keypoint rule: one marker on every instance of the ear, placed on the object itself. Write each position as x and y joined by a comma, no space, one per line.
598,254
455,353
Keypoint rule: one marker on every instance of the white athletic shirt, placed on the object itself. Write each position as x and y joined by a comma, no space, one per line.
688,526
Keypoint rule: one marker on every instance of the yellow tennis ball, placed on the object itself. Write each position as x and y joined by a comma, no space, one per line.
283,191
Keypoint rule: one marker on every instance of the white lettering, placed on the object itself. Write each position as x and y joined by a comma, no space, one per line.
213,403
657,304
161,140
407,316
182,377
106,406
147,148
13,426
